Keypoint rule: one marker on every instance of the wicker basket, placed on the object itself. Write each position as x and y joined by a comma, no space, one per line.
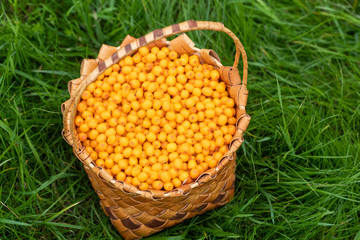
137,213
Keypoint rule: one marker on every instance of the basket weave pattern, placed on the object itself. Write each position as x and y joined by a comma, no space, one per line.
137,213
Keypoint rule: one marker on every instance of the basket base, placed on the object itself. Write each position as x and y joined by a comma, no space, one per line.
136,217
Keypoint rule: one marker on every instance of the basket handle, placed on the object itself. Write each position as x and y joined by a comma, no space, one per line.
192,25
132,47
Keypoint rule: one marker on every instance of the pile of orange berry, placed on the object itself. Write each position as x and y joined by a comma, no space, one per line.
156,120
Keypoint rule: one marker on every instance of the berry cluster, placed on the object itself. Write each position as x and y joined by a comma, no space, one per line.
156,120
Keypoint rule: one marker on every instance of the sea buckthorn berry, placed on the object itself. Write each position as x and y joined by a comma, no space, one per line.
207,91
143,186
227,138
193,118
157,185
210,113
165,176
128,180
79,121
168,186
178,163
232,130
120,78
81,106
190,102
150,150
100,162
230,103
121,176
222,120
184,61
194,60
108,71
171,147
103,155
82,136
109,163
143,51
194,173
155,49
176,182
126,70
84,127
199,75
172,71
214,74
173,55
135,181
232,120
86,95
183,177
152,87
128,61
190,74
157,70
161,55
151,57
137,58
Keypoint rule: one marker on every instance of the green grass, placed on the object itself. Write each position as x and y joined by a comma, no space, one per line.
298,171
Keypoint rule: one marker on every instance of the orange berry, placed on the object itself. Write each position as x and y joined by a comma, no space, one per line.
230,103
183,176
161,55
109,163
157,70
157,185
84,127
142,176
151,57
199,75
173,55
171,147
123,164
194,60
79,121
143,186
165,176
168,186
150,150
135,181
176,182
207,91
99,162
222,120
194,173
120,176
82,136
143,51
214,74
154,175
232,120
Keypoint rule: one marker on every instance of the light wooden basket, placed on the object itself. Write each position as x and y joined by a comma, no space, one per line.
137,213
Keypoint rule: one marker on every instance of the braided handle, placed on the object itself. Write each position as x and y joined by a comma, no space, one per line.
192,25
132,47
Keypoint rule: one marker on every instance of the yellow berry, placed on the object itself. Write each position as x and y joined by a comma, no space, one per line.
183,176
194,173
168,186
143,51
173,55
176,182
157,185
171,147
